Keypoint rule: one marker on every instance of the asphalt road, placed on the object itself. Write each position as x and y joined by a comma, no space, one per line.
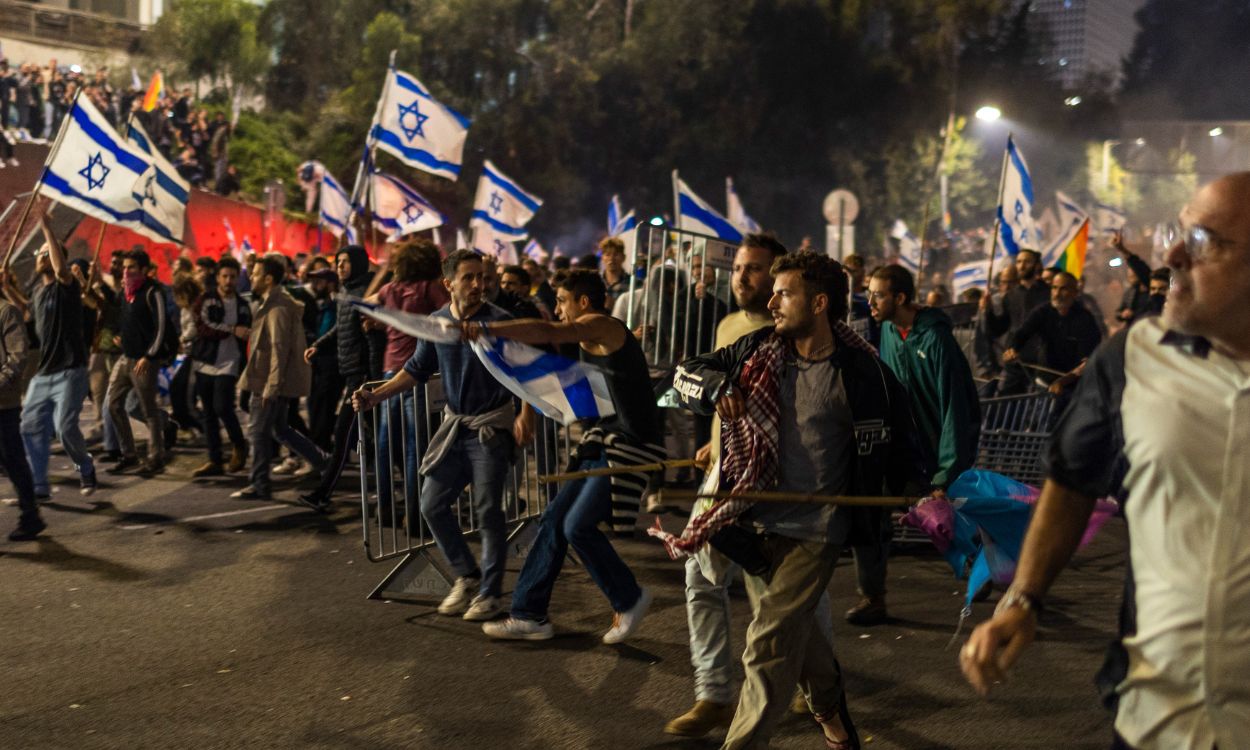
161,614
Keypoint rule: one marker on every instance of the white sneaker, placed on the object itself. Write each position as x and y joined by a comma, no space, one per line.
458,600
483,608
289,466
513,629
13,162
625,623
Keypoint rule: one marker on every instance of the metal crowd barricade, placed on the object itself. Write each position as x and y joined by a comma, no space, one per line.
390,490
664,304
1014,432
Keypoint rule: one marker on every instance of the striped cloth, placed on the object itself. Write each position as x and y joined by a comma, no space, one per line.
626,488
749,445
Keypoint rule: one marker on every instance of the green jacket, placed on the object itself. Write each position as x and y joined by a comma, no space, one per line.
944,402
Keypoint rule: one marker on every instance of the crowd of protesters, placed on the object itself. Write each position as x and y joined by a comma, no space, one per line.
35,98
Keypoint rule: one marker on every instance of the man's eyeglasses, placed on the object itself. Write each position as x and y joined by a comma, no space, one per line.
1199,241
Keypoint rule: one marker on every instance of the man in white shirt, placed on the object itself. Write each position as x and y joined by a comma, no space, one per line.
1162,412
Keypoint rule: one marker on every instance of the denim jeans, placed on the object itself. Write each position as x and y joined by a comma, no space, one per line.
573,519
13,460
54,402
268,421
216,393
485,466
707,614
396,438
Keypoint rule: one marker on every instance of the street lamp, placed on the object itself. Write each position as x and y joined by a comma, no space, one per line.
989,113
1215,132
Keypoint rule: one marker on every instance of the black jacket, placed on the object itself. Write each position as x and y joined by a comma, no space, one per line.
210,328
888,458
144,322
347,338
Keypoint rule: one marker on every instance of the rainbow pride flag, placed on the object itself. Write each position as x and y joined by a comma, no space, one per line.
1072,258
155,89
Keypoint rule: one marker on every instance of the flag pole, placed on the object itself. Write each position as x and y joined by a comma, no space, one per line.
34,193
676,202
998,218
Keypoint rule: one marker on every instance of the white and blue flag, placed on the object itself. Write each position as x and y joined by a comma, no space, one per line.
970,276
1109,218
562,389
336,208
161,191
619,223
695,215
908,246
95,171
501,205
417,129
1069,210
535,251
737,214
398,209
1015,209
496,244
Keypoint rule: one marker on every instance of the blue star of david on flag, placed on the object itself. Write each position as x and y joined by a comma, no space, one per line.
496,203
412,212
408,113
149,193
88,171
499,247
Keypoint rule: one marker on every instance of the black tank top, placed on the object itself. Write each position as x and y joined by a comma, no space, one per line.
637,417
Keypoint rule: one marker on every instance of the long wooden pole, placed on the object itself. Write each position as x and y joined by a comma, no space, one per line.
764,496
608,471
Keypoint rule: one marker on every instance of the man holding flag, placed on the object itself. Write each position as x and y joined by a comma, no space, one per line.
473,445
632,436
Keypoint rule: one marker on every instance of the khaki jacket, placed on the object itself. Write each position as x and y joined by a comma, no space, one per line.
275,357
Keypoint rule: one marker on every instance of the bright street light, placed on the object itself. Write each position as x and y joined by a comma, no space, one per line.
1215,132
657,221
989,113
1072,101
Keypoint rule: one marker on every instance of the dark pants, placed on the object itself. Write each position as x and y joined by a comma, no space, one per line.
267,422
13,459
182,396
327,390
344,440
216,394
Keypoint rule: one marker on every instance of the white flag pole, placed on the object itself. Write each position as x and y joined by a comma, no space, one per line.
676,201
1002,184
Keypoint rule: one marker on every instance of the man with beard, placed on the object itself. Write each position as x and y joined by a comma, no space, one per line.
1160,418
709,573
1067,331
1018,302
223,322
807,408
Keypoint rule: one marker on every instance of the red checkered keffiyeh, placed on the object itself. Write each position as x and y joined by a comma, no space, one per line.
749,445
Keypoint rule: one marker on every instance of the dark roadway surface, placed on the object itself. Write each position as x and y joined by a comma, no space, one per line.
137,622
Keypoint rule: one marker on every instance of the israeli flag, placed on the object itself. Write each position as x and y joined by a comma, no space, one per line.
94,170
563,389
336,207
970,276
1015,209
695,215
1069,210
737,214
399,210
619,223
1109,218
908,246
417,129
501,205
161,191
496,244
534,251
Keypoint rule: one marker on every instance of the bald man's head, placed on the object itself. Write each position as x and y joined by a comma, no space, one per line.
1210,262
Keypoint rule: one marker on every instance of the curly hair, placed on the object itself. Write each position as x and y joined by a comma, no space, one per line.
417,260
821,275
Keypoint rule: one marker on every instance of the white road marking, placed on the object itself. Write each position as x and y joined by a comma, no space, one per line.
189,519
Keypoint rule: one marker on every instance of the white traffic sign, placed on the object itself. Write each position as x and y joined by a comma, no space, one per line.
840,207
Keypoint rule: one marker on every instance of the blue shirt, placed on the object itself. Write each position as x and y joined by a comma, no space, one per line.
468,385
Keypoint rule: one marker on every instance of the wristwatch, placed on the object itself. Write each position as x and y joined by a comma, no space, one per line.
1017,598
